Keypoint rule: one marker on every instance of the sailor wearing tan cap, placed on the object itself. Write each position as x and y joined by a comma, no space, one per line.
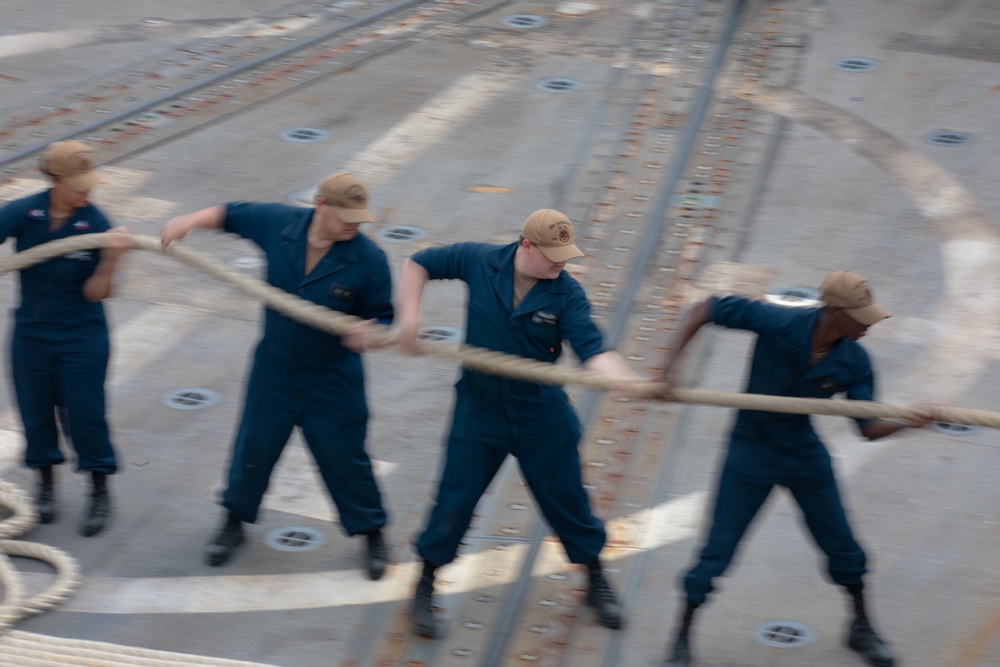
302,376
60,343
812,353
521,302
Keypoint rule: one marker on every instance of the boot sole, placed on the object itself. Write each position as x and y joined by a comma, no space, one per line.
873,663
429,630
91,530
46,510
611,624
426,633
217,558
675,661
377,566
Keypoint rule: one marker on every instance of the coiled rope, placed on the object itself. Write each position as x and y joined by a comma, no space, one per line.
16,606
23,518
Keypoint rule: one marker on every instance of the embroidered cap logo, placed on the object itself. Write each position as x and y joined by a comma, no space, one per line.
356,193
82,161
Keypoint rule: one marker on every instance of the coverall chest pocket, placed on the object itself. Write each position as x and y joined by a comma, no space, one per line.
74,269
342,297
543,326
834,384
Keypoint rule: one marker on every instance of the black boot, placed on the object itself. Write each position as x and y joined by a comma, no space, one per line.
862,637
46,500
602,598
681,654
378,555
221,548
423,621
100,507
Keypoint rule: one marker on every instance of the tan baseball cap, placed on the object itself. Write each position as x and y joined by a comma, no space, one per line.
70,161
552,232
850,291
347,196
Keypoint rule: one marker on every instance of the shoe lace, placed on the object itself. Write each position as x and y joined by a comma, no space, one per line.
376,546
425,591
100,506
865,632
600,590
229,536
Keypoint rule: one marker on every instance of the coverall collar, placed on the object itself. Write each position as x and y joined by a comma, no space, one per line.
540,296
828,365
293,240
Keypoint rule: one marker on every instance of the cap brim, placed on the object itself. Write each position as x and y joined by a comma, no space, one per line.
868,315
562,253
83,182
353,215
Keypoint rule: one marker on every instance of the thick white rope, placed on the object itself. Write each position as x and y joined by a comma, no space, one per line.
16,606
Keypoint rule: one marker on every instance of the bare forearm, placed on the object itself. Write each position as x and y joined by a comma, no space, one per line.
412,281
881,428
98,285
697,317
610,364
212,217
207,218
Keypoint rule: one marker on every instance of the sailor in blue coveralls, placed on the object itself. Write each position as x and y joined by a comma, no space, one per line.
812,353
520,302
60,349
303,376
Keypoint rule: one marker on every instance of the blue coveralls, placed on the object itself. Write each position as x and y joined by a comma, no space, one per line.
494,417
768,448
60,348
304,377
